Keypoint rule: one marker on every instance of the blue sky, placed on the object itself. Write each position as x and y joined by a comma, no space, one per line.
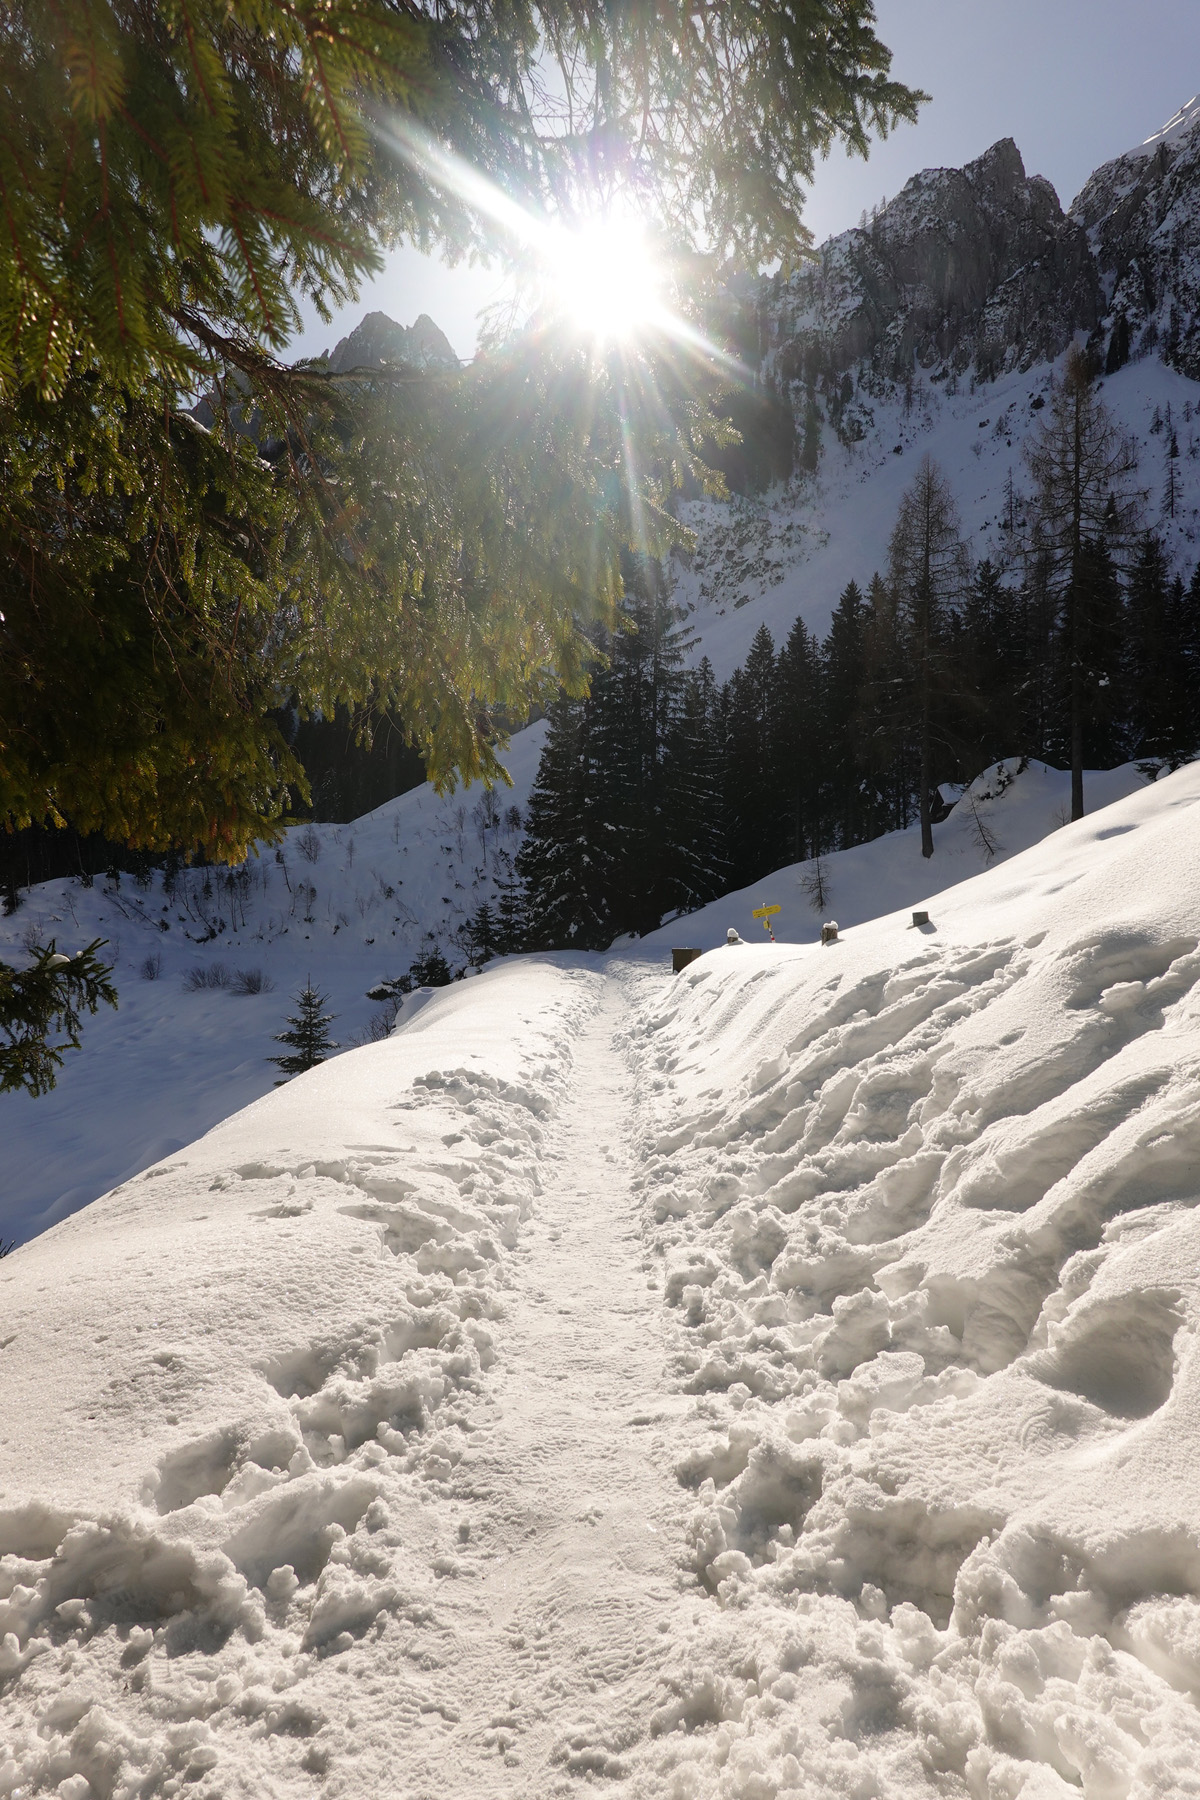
1073,81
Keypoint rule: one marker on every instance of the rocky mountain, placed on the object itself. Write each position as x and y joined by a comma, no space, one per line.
981,269
376,339
1141,213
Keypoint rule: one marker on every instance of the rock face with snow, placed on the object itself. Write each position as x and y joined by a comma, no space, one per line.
980,268
1142,215
966,265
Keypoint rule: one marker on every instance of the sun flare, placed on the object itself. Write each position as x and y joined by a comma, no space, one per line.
604,278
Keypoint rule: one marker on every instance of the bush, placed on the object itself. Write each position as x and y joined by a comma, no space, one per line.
206,975
251,981
309,844
151,967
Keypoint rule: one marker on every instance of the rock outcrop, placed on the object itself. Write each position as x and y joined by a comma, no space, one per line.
976,266
1141,213
980,269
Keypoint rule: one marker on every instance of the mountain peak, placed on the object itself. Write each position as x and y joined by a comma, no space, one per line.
377,339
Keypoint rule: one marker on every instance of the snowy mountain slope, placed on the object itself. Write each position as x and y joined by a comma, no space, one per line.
175,1060
172,1062
773,1380
790,553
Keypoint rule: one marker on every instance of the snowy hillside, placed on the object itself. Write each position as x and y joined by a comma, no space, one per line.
350,905
791,552
774,1380
347,904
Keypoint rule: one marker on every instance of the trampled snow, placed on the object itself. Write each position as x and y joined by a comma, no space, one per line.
350,905
777,1379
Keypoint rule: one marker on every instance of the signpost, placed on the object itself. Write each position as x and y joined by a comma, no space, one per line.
766,914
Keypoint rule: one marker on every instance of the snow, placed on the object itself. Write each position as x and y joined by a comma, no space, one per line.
773,1380
172,1062
1175,127
791,552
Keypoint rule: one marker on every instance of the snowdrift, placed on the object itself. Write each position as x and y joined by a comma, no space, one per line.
927,1204
858,1459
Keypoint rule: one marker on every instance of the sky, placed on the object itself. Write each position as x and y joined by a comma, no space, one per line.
1074,82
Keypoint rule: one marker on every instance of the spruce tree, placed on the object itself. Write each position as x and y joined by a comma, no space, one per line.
844,674
798,751
308,1034
754,809
1152,661
563,860
697,858
45,1001
882,724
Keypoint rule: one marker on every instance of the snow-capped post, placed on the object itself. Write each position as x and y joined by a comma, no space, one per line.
829,932
920,918
766,913
681,958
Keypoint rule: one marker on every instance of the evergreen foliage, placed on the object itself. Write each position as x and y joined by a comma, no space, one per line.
177,182
938,671
308,1033
44,1002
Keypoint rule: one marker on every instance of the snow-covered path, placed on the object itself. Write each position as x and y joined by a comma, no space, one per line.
574,1520
776,1382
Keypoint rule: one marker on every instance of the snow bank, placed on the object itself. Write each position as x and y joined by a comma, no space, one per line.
347,905
1006,809
927,1204
842,1437
225,1382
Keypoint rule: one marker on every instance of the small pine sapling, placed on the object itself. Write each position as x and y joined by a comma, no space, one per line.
308,1034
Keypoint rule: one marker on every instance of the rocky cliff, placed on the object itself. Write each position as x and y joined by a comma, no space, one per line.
981,269
1141,213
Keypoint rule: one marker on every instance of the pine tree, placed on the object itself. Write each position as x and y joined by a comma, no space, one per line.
308,1036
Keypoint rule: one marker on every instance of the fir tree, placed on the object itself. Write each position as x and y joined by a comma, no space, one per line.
308,1034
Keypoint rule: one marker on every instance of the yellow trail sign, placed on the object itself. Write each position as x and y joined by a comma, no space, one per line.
765,912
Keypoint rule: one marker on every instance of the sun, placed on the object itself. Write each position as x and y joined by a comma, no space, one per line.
604,278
